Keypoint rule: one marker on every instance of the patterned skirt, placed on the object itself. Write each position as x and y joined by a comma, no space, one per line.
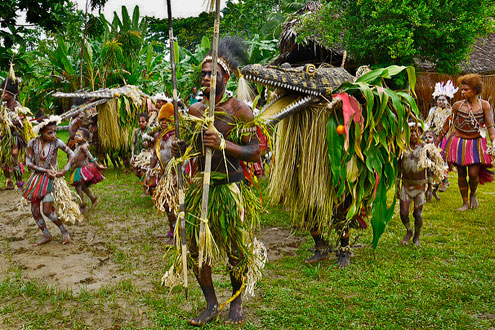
89,174
38,186
465,152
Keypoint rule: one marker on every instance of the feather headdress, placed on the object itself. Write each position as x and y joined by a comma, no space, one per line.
162,97
45,122
231,55
445,89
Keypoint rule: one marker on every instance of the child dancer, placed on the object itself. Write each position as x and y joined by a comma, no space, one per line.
41,158
87,171
417,166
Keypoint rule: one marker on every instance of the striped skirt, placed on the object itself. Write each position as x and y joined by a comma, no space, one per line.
88,174
38,186
465,152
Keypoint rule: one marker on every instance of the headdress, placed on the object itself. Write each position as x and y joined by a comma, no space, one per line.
446,89
166,111
231,55
162,97
147,137
45,122
11,84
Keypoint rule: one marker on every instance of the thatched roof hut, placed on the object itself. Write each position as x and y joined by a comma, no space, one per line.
313,50
481,61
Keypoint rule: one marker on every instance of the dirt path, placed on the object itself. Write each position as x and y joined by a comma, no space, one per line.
88,261
84,263
106,251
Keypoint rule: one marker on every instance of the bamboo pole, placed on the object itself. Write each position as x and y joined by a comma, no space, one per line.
83,43
181,216
210,113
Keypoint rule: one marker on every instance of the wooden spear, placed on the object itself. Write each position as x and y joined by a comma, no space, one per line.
211,113
181,221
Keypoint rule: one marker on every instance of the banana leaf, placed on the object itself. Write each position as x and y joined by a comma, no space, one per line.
376,147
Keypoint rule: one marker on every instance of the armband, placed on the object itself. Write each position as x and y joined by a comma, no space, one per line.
93,160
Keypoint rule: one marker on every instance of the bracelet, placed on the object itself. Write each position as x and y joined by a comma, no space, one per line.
93,160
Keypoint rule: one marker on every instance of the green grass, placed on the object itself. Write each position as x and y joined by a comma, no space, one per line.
448,283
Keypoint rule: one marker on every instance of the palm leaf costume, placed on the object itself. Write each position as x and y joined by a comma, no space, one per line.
233,209
330,180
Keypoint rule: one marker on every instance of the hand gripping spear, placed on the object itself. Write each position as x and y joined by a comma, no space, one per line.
211,114
181,217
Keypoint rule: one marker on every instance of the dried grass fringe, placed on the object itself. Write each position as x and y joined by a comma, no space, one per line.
299,137
67,210
112,137
431,159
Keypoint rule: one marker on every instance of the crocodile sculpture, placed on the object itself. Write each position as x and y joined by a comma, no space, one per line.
297,88
329,178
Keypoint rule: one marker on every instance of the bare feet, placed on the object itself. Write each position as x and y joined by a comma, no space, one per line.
205,317
464,207
344,258
474,201
94,203
320,255
44,240
65,238
416,241
407,238
435,194
10,185
236,316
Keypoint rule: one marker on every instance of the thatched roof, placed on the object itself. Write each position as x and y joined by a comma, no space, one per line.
313,50
481,60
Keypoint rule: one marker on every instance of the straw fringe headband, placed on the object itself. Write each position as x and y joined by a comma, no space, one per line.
219,61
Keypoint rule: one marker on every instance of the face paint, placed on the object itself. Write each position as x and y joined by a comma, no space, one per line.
429,138
49,133
442,102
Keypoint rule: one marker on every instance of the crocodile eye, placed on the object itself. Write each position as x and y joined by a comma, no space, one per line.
310,69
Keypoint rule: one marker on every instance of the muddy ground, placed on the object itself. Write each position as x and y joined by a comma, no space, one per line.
103,252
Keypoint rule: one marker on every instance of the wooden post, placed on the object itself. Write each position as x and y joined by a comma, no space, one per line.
211,113
181,221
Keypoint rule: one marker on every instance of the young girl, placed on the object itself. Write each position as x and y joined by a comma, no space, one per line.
41,158
142,166
87,171
162,154
137,137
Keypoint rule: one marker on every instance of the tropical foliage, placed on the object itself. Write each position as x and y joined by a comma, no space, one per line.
49,15
365,159
396,31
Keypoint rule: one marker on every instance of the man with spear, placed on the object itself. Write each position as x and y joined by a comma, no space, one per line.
227,230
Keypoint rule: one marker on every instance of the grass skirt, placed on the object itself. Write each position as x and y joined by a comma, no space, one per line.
89,174
233,219
466,152
38,185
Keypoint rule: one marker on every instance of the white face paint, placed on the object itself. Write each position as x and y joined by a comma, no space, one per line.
442,101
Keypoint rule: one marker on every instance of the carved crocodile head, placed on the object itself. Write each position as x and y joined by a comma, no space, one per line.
295,88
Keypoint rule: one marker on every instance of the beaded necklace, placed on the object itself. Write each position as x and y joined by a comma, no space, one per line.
476,124
39,157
